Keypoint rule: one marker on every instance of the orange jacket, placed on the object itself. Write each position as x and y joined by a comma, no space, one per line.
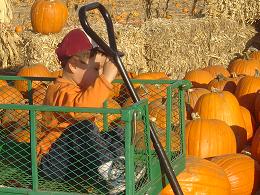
66,93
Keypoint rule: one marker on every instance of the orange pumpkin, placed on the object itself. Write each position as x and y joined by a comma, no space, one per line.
48,16
157,111
249,122
150,76
246,91
223,83
255,147
224,106
10,95
19,29
3,83
39,94
199,78
175,143
192,97
142,89
236,78
242,171
215,70
119,88
23,136
255,55
204,138
57,73
150,92
37,70
244,66
201,177
16,119
257,107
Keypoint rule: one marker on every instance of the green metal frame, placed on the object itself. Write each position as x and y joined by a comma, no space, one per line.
154,183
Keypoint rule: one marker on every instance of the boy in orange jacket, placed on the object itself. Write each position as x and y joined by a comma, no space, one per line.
79,150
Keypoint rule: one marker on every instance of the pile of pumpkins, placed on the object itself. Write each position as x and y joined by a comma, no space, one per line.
17,93
15,122
222,131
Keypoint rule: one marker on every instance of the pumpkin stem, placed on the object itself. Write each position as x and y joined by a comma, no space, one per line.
215,90
233,75
140,71
257,73
238,55
210,63
220,77
195,115
169,74
246,56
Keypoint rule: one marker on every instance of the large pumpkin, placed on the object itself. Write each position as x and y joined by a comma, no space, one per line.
120,88
255,55
39,94
257,107
224,106
157,111
192,97
3,83
255,147
24,136
149,91
199,78
48,16
249,122
10,95
175,141
204,138
246,91
201,177
216,70
242,171
223,83
37,70
244,66
57,73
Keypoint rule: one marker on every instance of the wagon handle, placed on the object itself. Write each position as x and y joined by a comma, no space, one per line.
111,50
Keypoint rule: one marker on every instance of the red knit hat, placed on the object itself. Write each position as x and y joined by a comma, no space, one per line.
74,42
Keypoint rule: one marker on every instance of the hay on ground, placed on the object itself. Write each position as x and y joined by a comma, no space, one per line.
174,46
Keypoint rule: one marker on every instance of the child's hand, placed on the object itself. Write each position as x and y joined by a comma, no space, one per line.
109,70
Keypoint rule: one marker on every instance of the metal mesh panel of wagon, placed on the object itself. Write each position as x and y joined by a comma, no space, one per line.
66,150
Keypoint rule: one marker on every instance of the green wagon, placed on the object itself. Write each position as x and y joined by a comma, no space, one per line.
20,172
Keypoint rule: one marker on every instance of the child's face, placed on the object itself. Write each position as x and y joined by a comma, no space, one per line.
88,69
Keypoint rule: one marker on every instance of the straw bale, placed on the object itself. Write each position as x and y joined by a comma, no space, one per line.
174,46
39,48
244,11
6,12
177,46
10,47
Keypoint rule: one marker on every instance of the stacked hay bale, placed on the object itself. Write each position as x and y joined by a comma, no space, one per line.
40,48
181,45
243,11
174,45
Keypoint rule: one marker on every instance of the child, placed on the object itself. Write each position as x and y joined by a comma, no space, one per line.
78,149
